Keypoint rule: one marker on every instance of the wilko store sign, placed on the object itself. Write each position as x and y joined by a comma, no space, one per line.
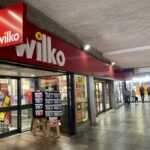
11,25
9,37
43,49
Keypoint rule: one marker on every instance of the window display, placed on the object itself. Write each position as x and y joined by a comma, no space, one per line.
8,121
107,95
27,87
59,84
118,91
8,92
81,99
99,96
26,117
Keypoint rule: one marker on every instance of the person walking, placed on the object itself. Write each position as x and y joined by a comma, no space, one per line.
142,90
148,92
127,96
133,95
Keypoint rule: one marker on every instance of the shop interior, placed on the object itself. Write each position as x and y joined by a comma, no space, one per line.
136,82
81,99
102,96
118,91
16,86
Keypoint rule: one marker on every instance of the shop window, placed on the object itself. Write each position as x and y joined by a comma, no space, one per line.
81,100
99,96
8,92
58,83
118,91
8,121
27,87
26,117
107,96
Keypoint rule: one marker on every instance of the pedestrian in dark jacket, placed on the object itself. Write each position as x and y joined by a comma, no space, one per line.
142,90
148,92
127,96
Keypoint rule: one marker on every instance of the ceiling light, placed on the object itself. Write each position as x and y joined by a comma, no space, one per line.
32,75
130,50
113,63
87,47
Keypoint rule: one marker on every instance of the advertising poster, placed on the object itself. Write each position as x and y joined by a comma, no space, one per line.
81,100
38,104
80,87
47,104
53,104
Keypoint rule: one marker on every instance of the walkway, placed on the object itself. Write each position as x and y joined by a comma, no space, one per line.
127,128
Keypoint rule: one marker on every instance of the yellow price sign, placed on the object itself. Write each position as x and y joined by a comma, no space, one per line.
80,80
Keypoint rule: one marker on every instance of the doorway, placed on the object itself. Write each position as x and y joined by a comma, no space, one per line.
9,105
107,95
18,83
99,97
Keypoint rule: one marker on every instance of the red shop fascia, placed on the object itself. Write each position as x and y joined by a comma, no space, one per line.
24,43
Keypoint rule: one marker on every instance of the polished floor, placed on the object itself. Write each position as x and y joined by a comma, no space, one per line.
126,128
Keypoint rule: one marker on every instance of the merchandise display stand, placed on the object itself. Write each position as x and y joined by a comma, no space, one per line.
38,123
47,107
53,125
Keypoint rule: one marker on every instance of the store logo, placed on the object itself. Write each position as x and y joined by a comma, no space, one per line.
9,37
43,48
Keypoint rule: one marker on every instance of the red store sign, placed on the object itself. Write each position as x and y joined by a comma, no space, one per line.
46,50
11,25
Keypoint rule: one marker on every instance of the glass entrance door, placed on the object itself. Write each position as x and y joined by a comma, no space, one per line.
99,96
27,87
8,105
58,83
107,96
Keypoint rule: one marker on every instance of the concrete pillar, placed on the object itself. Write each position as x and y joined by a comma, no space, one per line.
112,95
92,105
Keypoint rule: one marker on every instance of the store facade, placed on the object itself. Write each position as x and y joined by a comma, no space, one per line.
102,95
119,92
32,59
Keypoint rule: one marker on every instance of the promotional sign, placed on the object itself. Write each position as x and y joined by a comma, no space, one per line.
48,104
53,104
38,104
11,25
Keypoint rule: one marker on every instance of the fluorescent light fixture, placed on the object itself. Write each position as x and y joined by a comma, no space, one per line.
141,79
113,63
32,75
87,47
118,52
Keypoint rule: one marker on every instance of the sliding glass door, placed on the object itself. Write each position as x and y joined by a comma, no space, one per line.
27,87
8,105
99,96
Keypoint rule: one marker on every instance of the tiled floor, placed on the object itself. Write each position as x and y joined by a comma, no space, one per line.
126,128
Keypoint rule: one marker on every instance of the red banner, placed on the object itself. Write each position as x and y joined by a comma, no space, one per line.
45,50
11,25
